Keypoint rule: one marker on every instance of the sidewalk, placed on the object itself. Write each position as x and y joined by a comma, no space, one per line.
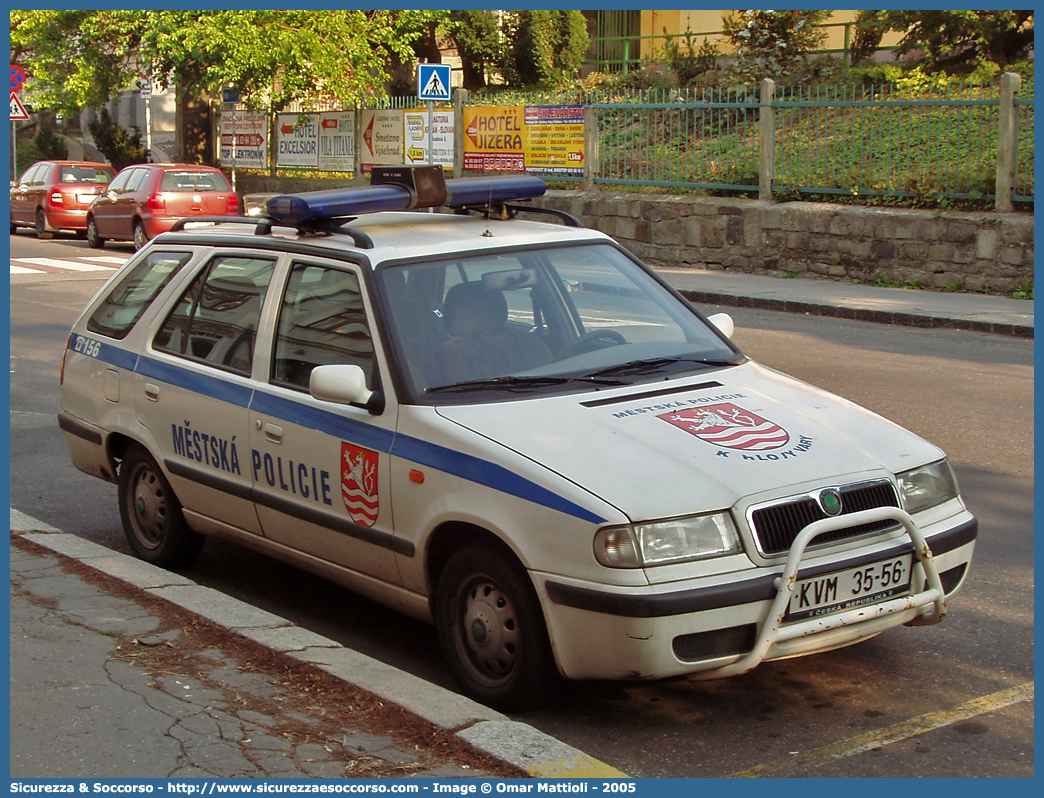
975,312
123,670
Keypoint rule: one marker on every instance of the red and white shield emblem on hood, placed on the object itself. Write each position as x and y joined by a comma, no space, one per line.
359,483
730,427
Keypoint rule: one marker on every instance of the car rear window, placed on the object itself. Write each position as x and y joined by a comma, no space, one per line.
135,292
194,181
92,175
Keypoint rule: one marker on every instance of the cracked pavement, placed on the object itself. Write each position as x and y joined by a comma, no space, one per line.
108,682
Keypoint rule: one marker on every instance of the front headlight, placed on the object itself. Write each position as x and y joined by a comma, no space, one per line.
694,537
927,486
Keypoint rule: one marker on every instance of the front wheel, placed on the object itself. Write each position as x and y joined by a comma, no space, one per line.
151,514
492,632
94,240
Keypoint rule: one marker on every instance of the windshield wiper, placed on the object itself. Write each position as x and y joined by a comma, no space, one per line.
655,364
520,383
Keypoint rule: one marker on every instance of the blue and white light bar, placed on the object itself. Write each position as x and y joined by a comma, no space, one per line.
314,206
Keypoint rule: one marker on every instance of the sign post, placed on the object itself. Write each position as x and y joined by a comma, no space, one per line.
17,112
433,84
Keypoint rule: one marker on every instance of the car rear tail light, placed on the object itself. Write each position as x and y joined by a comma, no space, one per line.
156,202
233,205
56,197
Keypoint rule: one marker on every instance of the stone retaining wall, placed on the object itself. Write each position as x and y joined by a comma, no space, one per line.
980,251
984,252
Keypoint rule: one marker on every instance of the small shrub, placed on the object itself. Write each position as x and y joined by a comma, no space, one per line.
1023,289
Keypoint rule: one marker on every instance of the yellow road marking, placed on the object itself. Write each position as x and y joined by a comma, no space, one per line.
818,757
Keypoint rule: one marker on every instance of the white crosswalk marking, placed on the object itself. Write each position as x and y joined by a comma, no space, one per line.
83,263
107,259
68,265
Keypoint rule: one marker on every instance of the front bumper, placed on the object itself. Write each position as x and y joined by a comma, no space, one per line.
724,626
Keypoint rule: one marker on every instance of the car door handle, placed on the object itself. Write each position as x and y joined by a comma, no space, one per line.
274,433
151,392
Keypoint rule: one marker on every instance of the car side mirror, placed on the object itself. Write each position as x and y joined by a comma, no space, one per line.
344,385
723,321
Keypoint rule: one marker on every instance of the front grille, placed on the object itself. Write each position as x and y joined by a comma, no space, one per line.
776,525
716,643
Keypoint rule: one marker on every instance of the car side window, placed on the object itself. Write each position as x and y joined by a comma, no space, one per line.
125,304
36,177
215,321
28,176
137,177
322,321
119,182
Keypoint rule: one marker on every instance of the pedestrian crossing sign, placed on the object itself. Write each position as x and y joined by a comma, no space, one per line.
433,82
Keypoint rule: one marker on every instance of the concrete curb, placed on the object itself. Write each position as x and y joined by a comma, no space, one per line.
858,313
511,741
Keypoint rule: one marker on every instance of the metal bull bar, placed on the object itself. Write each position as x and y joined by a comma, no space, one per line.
774,631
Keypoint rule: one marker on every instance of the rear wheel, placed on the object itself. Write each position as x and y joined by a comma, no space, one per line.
141,238
93,239
491,630
151,514
41,225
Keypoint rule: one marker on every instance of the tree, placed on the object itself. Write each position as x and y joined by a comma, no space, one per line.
547,47
82,59
479,43
952,40
121,148
773,44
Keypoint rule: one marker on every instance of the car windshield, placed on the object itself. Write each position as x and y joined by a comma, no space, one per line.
541,321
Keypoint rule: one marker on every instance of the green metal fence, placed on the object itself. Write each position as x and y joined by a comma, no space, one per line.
832,140
706,139
885,140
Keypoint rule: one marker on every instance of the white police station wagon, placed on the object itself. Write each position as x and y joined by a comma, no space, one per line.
510,428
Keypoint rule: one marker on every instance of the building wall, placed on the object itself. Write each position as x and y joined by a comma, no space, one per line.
705,21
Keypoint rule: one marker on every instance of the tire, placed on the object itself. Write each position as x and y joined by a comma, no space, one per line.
141,238
492,632
151,514
14,228
41,226
94,240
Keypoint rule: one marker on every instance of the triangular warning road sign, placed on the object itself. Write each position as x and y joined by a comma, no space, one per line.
17,109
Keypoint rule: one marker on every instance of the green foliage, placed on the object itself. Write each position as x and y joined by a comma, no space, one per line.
82,59
1024,289
959,40
121,148
50,145
771,44
869,31
76,59
547,47
956,287
687,62
476,33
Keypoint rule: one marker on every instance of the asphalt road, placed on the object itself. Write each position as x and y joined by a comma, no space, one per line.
948,695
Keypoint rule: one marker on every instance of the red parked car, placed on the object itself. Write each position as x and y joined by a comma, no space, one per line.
147,199
54,195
